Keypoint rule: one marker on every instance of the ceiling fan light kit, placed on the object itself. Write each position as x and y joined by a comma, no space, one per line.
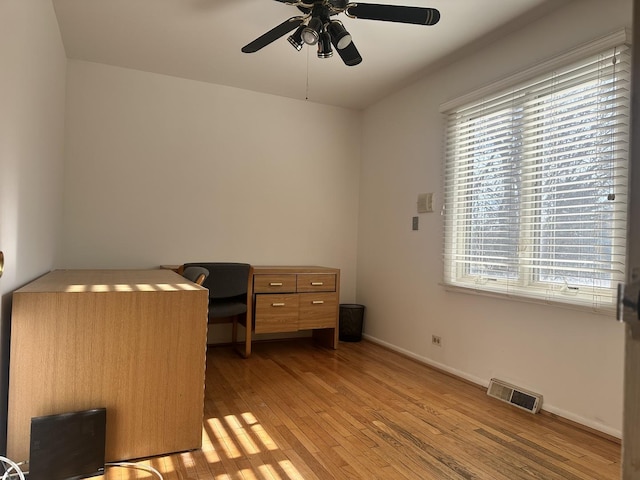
296,38
339,35
316,27
324,46
311,33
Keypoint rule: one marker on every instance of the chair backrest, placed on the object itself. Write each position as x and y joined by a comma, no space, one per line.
196,274
226,279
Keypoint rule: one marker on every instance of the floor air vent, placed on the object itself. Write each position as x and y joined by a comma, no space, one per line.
529,401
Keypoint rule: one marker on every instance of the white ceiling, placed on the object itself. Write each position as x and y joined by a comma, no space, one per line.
201,40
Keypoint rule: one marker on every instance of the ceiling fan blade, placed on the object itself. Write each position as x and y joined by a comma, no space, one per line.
305,5
350,55
273,34
297,3
393,13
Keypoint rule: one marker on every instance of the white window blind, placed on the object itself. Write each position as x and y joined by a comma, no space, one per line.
536,186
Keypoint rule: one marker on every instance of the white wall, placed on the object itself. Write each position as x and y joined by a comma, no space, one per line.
575,359
162,170
32,96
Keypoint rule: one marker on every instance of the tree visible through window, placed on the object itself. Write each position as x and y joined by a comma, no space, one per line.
536,186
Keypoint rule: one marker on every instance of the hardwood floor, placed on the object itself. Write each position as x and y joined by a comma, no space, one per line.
296,411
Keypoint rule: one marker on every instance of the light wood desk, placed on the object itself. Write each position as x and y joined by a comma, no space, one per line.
133,341
289,299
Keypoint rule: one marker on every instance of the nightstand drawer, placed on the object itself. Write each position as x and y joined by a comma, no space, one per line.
317,310
316,282
276,313
274,283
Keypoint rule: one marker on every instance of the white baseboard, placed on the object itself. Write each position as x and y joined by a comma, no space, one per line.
428,361
485,383
583,421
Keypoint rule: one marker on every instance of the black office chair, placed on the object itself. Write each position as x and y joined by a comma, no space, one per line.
227,283
195,274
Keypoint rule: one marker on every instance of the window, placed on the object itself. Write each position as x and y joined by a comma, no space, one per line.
536,185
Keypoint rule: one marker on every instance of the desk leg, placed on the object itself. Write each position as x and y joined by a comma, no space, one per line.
247,340
327,337
249,319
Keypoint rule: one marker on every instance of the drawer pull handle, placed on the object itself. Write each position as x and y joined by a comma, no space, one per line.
281,304
317,284
275,284
318,302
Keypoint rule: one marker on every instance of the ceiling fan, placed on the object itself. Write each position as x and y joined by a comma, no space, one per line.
315,25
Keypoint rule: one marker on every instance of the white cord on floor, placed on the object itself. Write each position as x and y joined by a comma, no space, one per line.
12,466
132,465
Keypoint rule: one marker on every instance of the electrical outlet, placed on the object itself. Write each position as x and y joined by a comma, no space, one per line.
436,340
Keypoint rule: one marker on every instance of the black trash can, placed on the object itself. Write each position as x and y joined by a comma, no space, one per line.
351,321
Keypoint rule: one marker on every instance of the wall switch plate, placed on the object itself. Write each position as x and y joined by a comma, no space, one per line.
425,203
414,223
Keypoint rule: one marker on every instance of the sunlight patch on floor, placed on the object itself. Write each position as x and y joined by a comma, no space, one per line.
235,440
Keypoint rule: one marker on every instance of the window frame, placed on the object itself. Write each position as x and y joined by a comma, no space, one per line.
528,284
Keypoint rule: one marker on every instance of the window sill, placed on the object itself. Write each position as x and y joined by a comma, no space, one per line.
605,311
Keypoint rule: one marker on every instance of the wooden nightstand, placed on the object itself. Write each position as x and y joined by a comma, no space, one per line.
290,299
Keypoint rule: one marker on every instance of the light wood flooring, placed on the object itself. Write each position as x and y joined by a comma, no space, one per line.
296,411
